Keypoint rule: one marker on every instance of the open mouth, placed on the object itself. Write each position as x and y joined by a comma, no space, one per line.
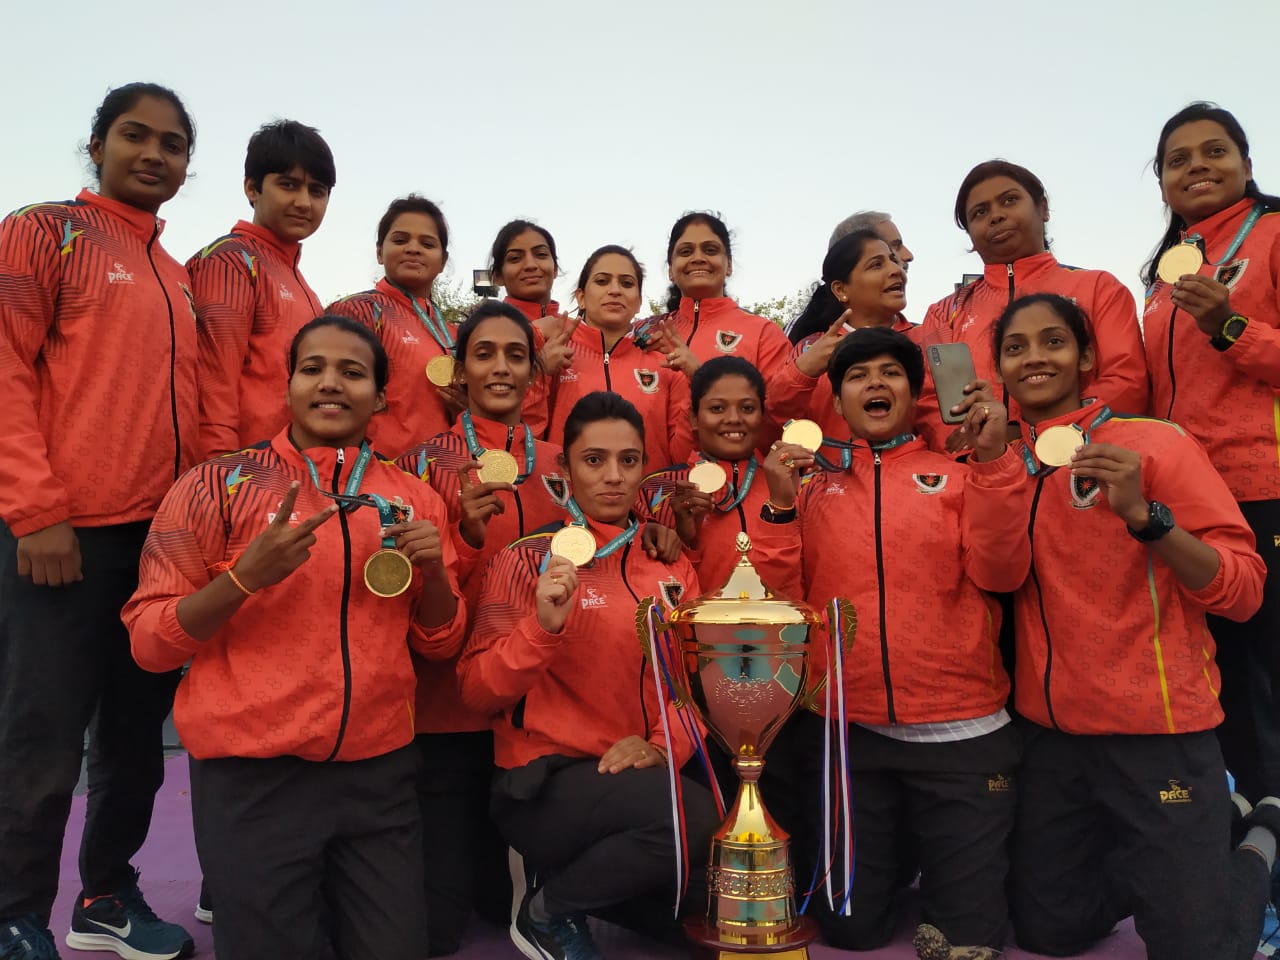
734,436
877,406
329,405
1201,185
1038,377
500,389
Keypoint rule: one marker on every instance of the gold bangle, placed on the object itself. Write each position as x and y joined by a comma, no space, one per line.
776,508
236,580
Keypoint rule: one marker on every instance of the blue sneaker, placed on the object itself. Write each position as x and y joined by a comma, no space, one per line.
561,937
125,924
26,938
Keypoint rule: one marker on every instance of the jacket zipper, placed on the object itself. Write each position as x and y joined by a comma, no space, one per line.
884,638
173,359
343,609
1044,620
1173,378
511,435
697,308
1004,389
742,515
608,383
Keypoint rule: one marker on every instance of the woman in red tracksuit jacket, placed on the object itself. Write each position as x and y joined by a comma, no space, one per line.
1213,350
863,285
297,710
582,790
1125,545
1003,208
907,536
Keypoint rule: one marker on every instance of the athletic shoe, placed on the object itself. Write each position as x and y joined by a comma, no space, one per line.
1240,810
563,937
523,880
26,938
124,923
204,906
932,944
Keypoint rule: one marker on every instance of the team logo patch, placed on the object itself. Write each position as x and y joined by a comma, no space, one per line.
648,380
930,483
672,591
557,488
1084,492
121,274
285,292
727,341
1176,793
998,784
1229,274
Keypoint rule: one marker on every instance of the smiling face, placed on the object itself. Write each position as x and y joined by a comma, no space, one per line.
1004,222
1040,363
291,205
496,370
528,267
876,287
875,399
332,392
1203,170
611,297
605,464
412,254
699,263
728,419
143,160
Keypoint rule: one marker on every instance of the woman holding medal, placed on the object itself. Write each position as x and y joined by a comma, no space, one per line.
1212,326
581,736
1004,208
915,543
296,576
1122,795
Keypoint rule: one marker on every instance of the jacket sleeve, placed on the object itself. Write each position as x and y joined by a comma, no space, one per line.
993,529
222,285
535,410
1120,378
185,542
1183,479
774,349
680,439
443,641
1257,352
31,497
789,391
508,649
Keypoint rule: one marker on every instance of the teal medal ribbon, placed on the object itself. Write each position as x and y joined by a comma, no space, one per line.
1243,232
350,496
730,501
614,545
846,450
475,450
438,329
1036,469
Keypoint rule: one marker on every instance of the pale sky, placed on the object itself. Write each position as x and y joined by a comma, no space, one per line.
606,121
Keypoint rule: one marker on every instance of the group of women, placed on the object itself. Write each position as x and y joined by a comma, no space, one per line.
399,608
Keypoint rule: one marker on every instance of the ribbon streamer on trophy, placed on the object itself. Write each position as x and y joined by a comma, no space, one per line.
740,657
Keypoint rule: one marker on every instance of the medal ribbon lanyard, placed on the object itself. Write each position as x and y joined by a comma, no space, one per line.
729,501
350,496
1037,469
438,329
476,451
1249,222
846,450
621,540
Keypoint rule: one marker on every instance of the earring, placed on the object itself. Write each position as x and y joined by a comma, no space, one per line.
844,299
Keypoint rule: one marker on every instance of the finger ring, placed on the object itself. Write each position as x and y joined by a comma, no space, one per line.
775,445
555,578
787,461
986,411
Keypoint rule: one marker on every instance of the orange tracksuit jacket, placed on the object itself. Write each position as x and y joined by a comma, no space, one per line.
97,365
578,692
1229,400
1119,377
661,395
314,666
250,301
907,536
793,396
536,502
714,555
1108,640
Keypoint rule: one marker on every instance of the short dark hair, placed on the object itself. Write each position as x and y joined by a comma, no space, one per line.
415,204
380,363
1070,312
502,242
280,146
706,218
486,310
715,370
596,406
867,343
123,99
997,168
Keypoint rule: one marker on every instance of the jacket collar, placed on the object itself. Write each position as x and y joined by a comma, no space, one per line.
290,253
534,311
145,225
1022,269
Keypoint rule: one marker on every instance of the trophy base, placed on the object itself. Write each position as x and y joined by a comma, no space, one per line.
790,944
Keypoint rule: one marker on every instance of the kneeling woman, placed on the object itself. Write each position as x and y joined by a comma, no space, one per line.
255,571
1132,538
913,541
582,790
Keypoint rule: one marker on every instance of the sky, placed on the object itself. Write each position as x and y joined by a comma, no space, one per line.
604,122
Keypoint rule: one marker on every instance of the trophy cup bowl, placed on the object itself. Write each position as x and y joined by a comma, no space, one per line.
744,662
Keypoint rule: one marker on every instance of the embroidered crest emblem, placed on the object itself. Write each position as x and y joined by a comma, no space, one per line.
1084,492
727,341
1229,274
672,591
930,483
648,380
557,488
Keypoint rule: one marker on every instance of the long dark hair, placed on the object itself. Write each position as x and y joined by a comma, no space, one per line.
823,307
717,227
1200,110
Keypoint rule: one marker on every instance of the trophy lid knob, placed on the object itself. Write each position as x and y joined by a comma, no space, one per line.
742,543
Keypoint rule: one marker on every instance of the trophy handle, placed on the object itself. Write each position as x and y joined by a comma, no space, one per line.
648,638
811,700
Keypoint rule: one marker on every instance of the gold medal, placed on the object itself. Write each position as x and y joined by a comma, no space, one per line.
1180,260
498,466
708,477
803,433
440,370
388,573
1057,445
575,544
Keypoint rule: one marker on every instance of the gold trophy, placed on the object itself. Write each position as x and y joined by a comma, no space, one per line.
743,655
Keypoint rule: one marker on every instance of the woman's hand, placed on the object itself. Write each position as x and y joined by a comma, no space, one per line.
281,548
987,422
690,505
479,503
975,392
553,595
782,469
50,557
557,352
420,541
1207,300
660,543
678,355
814,361
1119,474
631,752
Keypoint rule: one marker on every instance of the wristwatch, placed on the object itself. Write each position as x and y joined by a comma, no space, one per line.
1231,331
1159,523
